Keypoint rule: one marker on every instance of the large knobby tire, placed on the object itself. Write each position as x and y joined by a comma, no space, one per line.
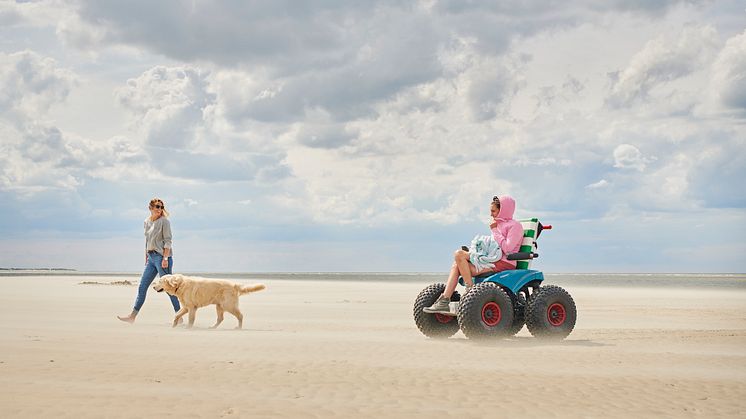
519,314
434,325
485,312
551,313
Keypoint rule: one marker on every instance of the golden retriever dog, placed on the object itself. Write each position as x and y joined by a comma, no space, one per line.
194,293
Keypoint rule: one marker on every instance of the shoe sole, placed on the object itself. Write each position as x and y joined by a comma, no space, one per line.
445,313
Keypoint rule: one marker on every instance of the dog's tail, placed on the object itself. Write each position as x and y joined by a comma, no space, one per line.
245,289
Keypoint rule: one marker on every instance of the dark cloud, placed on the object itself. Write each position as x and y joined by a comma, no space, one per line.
392,59
649,7
267,34
325,135
10,17
290,37
341,57
546,8
217,167
489,93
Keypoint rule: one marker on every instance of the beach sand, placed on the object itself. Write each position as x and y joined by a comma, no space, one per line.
351,349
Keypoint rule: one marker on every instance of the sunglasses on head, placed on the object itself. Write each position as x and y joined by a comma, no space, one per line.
157,206
496,200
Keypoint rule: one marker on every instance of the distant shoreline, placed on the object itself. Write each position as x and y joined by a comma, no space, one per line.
621,280
381,273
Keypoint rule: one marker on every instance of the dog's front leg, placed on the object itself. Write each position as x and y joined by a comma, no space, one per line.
182,311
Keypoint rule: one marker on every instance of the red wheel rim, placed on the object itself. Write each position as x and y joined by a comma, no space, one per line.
442,318
491,314
556,314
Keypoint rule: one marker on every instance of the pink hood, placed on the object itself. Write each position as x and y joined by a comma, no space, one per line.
507,208
508,232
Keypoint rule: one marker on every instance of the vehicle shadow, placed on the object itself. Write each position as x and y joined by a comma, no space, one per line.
523,342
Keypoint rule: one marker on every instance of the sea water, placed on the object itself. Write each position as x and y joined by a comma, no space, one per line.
708,280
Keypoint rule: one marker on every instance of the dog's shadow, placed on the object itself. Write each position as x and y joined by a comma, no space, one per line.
222,329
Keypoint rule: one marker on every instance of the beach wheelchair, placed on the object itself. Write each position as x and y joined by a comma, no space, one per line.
501,303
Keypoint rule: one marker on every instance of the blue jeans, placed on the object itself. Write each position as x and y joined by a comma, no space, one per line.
153,267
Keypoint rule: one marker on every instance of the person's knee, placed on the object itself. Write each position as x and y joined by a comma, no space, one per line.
460,255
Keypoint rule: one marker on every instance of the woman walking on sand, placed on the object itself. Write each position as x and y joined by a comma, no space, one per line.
158,255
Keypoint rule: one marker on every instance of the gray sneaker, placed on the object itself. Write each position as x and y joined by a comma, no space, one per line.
441,306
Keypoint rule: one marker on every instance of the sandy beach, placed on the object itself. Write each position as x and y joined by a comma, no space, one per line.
351,349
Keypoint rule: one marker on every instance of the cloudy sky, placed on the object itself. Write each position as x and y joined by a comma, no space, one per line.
371,136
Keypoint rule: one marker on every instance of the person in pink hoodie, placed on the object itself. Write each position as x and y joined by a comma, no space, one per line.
506,231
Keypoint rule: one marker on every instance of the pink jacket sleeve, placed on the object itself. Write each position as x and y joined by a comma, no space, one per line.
510,242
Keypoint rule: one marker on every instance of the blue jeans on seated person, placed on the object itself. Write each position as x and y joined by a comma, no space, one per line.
153,268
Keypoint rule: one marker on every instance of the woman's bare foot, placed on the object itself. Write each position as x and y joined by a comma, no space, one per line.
129,319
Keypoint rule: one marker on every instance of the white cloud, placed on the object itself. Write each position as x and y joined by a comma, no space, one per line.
33,13
30,84
729,73
717,169
601,184
663,60
667,188
627,156
181,122
168,103
37,156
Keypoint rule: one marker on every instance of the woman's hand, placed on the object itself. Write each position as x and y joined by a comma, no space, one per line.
493,225
164,263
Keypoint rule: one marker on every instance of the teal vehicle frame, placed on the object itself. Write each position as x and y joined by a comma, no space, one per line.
513,280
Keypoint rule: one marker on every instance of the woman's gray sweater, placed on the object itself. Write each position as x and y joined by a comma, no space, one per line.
158,235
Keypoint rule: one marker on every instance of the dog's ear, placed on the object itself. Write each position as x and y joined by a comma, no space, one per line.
174,280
